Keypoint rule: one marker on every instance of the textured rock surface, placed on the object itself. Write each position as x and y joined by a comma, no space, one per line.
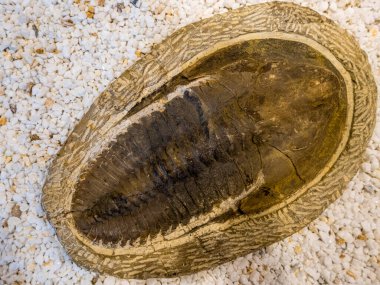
51,90
95,234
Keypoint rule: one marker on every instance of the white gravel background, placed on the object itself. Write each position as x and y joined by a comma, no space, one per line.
55,59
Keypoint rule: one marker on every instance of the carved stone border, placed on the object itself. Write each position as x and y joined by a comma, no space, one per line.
167,258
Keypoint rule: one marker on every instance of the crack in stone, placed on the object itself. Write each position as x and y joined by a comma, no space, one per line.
279,150
260,155
289,158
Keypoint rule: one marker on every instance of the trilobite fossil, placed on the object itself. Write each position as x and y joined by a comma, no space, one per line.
233,133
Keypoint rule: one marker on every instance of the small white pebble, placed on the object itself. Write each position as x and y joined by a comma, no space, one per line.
346,236
13,222
323,5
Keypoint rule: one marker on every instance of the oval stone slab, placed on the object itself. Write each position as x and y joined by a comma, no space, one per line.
208,149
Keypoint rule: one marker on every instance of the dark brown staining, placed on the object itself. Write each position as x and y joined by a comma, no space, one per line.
270,105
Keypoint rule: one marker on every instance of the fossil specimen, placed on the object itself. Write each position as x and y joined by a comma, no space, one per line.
233,133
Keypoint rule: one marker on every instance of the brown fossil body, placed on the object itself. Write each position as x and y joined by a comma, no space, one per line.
214,145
